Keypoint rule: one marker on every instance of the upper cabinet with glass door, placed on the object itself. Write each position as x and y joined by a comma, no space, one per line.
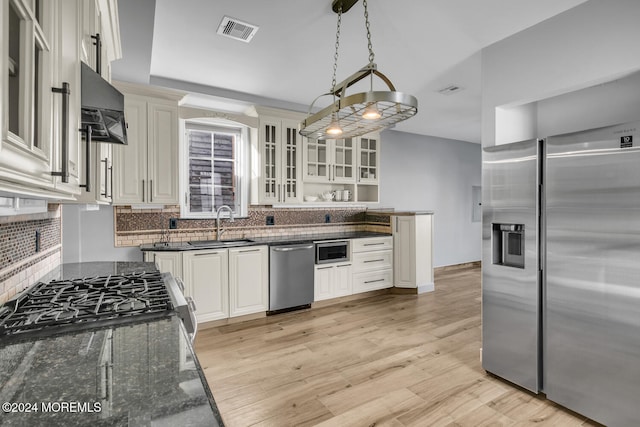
280,148
40,58
330,161
368,159
27,75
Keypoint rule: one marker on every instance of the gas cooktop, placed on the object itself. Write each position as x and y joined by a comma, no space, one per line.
61,306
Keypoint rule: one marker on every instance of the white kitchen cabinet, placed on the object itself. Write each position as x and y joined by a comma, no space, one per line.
206,280
167,262
39,66
372,281
280,147
330,161
98,25
32,62
248,280
93,19
100,175
332,281
372,263
367,189
343,164
413,251
222,282
147,169
373,260
368,159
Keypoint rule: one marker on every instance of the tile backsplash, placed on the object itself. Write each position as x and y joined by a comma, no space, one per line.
134,227
20,264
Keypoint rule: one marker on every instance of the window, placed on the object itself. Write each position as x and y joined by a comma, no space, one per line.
216,169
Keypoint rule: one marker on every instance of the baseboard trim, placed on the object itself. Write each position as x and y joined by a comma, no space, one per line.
429,287
230,321
454,267
340,300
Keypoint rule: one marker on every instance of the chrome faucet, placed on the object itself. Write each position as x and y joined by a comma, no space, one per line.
219,231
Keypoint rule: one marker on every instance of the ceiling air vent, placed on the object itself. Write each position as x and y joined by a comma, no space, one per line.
449,90
231,27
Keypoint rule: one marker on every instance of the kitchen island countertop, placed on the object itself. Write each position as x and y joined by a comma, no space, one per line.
78,270
140,373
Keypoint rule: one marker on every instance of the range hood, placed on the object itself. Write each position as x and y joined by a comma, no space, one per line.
102,108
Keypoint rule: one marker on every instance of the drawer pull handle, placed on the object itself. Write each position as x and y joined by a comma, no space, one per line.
374,281
249,250
208,253
374,244
374,260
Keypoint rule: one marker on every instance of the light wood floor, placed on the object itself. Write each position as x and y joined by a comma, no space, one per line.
393,360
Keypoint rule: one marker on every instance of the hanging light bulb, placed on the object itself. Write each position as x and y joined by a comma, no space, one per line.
334,128
371,112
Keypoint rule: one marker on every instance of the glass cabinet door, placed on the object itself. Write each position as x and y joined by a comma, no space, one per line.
290,175
280,161
269,161
368,166
317,160
344,160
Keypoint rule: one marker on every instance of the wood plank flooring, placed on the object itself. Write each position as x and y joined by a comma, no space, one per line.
388,360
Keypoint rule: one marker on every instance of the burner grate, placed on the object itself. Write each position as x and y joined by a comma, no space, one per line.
69,305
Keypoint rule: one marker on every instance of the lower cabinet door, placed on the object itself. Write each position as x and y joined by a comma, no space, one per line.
322,283
343,283
332,281
167,262
248,280
206,278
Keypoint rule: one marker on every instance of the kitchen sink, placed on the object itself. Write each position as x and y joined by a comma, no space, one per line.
220,243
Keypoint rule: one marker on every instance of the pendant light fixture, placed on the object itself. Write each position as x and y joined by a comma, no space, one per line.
363,112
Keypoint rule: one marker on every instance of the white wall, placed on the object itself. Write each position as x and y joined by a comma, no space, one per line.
602,105
436,174
593,43
88,235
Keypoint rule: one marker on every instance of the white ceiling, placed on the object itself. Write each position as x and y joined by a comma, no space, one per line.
421,45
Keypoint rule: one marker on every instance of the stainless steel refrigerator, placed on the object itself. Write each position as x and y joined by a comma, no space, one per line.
561,269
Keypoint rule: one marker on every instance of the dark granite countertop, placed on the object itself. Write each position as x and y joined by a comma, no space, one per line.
398,213
143,373
270,241
138,374
92,269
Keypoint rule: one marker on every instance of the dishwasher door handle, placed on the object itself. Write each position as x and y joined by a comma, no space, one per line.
296,248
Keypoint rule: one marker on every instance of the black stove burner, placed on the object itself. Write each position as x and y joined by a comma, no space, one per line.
72,305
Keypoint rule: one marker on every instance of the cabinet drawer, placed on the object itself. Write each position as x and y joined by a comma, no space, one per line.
372,244
363,282
374,260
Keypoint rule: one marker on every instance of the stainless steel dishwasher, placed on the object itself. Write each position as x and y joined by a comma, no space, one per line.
291,269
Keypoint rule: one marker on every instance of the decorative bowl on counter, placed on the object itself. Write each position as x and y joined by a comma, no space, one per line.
310,198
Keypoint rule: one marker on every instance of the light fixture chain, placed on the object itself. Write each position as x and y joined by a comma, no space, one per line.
366,22
335,56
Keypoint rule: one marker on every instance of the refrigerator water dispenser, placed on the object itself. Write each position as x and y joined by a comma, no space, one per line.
508,245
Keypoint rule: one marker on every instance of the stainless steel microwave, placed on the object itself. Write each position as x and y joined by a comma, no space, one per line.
332,251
